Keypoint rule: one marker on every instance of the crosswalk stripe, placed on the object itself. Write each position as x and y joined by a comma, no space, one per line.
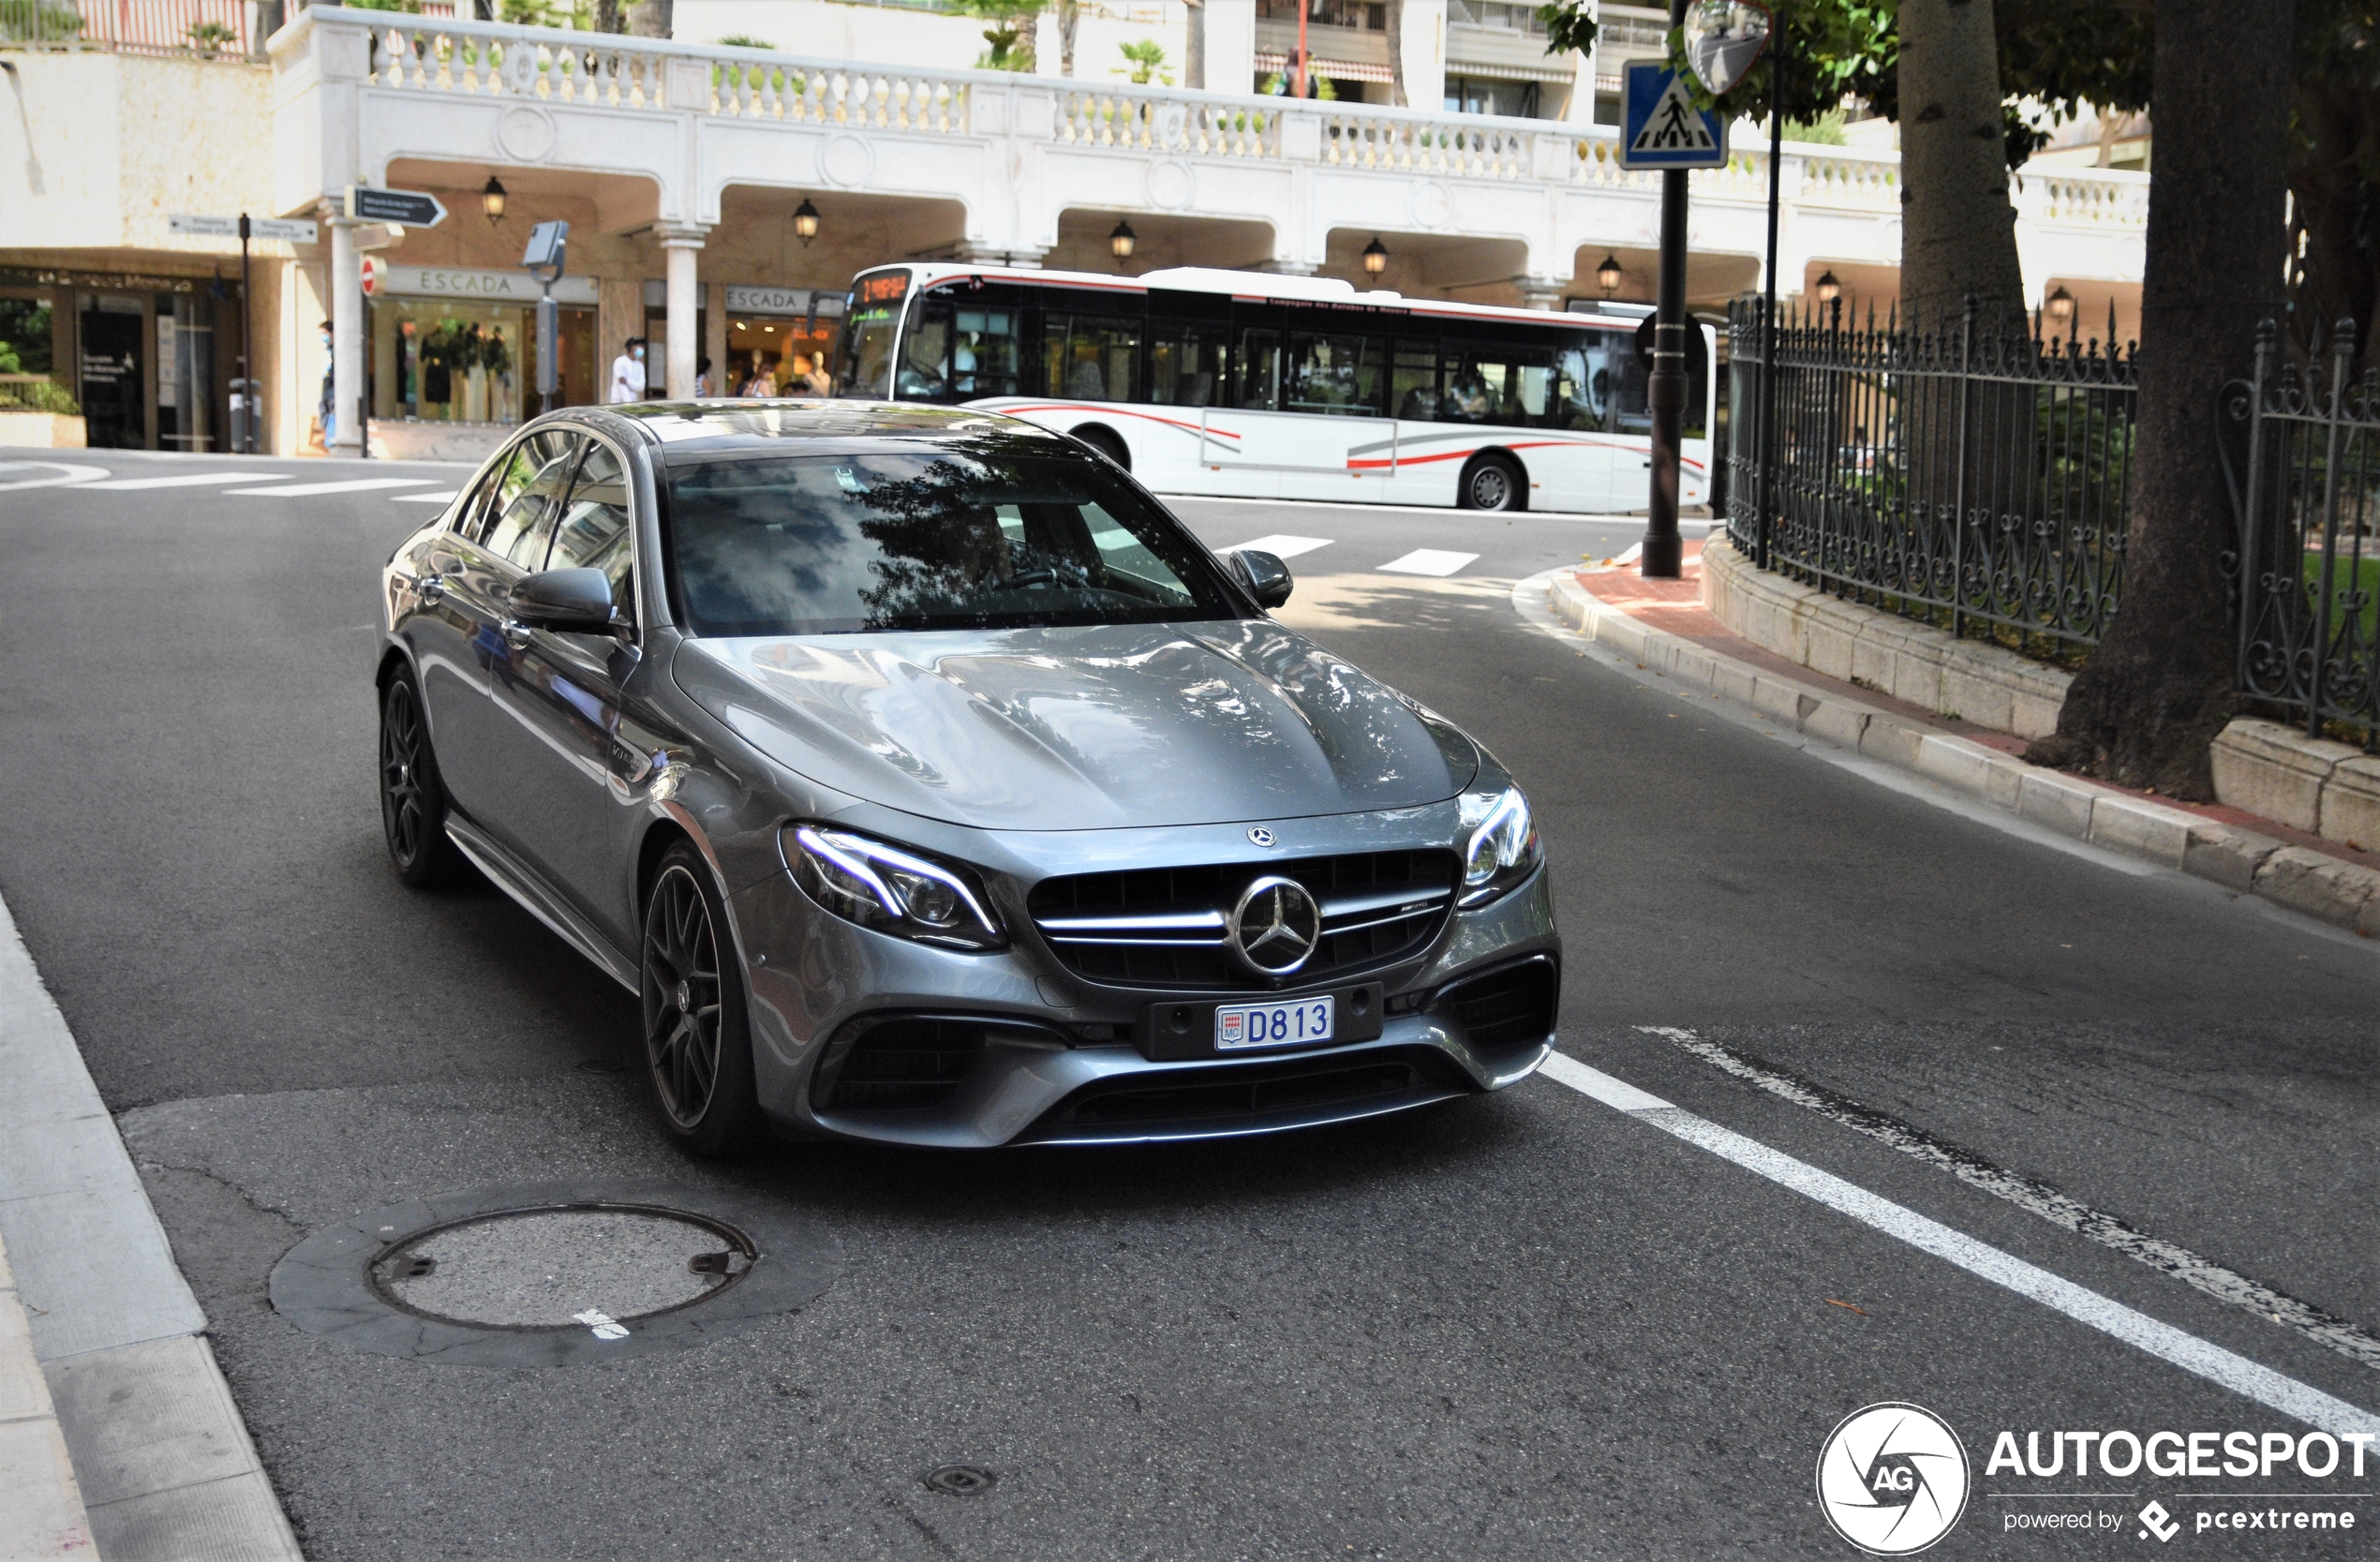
1282,546
186,480
1428,562
424,498
354,486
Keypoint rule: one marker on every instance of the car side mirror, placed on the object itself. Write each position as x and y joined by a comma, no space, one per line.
572,602
1265,576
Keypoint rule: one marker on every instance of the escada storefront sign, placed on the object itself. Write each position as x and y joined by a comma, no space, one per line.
784,301
496,287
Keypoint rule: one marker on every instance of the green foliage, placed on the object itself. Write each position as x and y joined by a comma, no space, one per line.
1325,89
1010,35
9,362
210,38
1144,60
411,8
738,40
2057,55
39,21
1825,131
38,396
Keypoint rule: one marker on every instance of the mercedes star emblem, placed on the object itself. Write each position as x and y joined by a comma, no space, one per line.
1261,836
1276,926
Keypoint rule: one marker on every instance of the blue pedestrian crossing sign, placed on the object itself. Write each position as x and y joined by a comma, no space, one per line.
1662,127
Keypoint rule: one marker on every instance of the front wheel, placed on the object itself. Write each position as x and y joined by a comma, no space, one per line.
1494,483
412,795
698,1048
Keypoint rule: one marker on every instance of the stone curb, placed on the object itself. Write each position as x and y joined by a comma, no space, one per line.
2340,893
155,1454
40,1504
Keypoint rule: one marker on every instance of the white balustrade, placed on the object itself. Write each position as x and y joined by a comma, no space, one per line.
597,68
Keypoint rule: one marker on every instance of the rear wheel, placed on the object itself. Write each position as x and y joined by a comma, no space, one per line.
413,797
1494,483
698,1048
1107,442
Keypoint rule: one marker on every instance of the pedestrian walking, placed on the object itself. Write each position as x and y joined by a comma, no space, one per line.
628,372
702,378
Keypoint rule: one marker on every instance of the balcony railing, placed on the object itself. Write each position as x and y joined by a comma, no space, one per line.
444,56
201,29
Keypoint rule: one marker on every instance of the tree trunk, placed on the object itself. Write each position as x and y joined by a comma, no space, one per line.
1193,47
2331,160
1395,9
1069,19
650,19
611,16
1958,232
2159,688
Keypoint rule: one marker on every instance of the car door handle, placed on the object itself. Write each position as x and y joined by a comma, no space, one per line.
429,588
515,633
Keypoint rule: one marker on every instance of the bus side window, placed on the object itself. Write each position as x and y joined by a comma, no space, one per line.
1185,365
1413,380
1260,367
983,354
1478,379
1091,359
1335,374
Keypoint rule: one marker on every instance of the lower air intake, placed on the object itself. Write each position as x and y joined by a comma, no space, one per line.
1507,1006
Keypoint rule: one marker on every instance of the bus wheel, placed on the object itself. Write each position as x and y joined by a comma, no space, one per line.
1494,483
1106,442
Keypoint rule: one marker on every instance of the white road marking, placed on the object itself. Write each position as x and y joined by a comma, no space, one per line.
1427,561
354,486
67,473
1280,545
424,498
188,480
2193,1270
2187,1351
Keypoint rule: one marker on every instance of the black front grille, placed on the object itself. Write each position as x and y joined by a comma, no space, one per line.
1163,926
1189,1100
1511,1004
898,1064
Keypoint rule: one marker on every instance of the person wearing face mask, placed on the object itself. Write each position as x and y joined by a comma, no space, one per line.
628,372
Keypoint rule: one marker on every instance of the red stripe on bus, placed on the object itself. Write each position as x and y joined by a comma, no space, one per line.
1110,410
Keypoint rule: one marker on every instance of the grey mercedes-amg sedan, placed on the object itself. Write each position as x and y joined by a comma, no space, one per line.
928,782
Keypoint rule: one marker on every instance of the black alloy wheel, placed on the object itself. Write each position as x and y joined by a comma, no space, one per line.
697,1043
413,797
1494,483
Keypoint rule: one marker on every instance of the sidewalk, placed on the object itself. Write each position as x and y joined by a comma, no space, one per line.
1663,626
118,1434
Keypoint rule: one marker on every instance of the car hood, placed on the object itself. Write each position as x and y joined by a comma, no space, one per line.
1109,727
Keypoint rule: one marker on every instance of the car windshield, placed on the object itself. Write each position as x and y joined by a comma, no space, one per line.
931,539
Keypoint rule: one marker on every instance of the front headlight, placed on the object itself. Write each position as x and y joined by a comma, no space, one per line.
889,890
1502,848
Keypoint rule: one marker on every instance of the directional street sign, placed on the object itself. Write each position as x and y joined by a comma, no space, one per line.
287,230
1662,127
408,208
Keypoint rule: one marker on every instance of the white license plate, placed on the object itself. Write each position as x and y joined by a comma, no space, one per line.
1241,1026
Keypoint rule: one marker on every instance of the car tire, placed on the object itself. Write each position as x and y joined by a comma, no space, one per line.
1494,482
412,794
698,1045
1107,442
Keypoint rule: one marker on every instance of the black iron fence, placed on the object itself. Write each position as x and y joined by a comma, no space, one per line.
2308,568
1972,477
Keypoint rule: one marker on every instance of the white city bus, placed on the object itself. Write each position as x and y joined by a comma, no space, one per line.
1232,382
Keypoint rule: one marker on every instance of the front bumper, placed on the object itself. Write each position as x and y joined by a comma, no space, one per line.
1064,1066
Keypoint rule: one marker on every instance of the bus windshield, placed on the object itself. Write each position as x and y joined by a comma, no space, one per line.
874,316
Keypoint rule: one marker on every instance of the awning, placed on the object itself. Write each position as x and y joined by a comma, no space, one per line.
1550,71
1343,70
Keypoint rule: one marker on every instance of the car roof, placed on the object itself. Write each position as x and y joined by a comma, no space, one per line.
770,425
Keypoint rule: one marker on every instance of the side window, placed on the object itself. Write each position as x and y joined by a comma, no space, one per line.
504,484
1335,374
1185,365
1260,367
1089,359
593,533
983,354
1413,380
1479,383
924,350
525,526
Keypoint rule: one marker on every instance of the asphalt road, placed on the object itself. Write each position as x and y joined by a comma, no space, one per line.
1523,1326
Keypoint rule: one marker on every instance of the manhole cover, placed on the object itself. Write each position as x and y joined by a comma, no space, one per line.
550,1273
561,1269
